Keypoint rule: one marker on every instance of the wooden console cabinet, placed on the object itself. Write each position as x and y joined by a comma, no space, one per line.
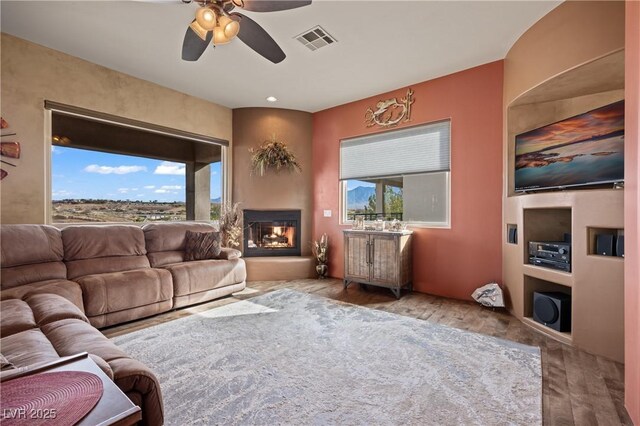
380,258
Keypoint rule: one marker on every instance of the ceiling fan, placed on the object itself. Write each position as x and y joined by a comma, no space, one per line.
216,22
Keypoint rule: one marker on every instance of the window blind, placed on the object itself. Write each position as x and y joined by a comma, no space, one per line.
420,149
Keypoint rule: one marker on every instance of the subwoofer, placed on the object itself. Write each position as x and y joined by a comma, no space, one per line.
552,309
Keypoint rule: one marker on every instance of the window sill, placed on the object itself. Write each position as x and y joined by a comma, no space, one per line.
420,225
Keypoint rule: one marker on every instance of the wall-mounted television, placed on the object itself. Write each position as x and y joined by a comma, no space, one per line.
587,149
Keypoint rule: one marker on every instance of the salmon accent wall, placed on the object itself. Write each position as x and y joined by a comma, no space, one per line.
632,211
448,262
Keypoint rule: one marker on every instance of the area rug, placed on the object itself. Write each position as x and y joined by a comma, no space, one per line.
290,358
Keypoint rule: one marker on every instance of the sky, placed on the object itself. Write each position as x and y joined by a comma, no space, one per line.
79,173
352,183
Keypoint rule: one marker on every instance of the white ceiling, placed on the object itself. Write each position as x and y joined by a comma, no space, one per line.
382,45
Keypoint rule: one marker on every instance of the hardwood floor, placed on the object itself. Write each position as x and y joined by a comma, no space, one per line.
578,388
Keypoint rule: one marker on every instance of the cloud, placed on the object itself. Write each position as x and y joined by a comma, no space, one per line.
61,193
170,168
125,190
161,191
55,150
171,187
119,170
149,186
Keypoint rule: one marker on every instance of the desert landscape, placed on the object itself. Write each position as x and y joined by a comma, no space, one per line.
88,210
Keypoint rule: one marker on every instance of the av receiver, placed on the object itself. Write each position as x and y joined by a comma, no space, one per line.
558,251
548,263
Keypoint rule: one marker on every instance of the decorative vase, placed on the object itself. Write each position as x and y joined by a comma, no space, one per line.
322,270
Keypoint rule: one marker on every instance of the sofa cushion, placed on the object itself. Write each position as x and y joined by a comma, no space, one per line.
202,245
27,274
105,265
16,317
162,258
68,289
29,244
30,253
71,336
171,236
48,308
27,348
202,275
93,241
117,291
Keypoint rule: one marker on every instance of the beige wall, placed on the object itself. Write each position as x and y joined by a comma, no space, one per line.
567,63
274,191
573,33
32,74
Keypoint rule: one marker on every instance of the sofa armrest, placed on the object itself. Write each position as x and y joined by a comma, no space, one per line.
229,254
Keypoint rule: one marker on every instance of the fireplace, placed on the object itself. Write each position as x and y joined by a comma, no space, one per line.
271,233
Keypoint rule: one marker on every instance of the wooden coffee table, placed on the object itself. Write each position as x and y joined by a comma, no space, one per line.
114,407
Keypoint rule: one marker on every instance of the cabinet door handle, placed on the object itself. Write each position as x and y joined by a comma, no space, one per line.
373,250
368,252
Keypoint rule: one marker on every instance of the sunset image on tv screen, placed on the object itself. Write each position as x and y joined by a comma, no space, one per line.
582,150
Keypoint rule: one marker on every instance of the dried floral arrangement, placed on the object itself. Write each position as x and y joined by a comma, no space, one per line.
273,154
320,249
231,224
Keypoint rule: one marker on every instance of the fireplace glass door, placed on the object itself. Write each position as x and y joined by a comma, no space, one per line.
272,233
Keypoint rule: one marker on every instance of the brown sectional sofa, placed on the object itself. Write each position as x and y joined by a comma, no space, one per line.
56,286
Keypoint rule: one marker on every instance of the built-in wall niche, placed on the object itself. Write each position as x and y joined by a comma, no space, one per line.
577,91
548,224
532,285
605,242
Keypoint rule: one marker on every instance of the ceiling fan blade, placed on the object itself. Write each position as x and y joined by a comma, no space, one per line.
254,36
193,46
272,5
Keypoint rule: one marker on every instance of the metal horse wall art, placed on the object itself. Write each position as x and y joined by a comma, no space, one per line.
390,112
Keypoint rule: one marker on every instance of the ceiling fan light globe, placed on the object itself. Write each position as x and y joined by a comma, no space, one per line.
206,18
231,29
219,37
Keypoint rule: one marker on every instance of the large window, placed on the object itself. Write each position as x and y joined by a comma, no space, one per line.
401,174
93,186
106,168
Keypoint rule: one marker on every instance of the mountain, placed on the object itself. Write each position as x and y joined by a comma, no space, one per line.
358,197
216,200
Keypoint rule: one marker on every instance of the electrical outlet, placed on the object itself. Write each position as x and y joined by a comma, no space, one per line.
327,213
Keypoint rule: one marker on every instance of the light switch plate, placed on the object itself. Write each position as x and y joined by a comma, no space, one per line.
327,213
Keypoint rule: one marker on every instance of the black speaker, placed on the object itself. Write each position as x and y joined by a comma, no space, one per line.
552,309
604,244
620,246
513,235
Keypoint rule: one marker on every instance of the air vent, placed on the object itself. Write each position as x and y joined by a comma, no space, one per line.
315,38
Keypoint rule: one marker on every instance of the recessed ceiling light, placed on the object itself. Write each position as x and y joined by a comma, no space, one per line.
272,99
